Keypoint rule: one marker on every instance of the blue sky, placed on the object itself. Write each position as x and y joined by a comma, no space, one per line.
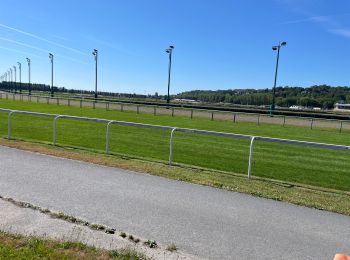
222,44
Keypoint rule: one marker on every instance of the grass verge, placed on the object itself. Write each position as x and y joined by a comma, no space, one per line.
21,247
310,196
292,163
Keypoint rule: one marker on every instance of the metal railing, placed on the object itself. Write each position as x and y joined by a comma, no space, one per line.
211,114
172,133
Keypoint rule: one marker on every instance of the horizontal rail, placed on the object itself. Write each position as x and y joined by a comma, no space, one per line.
304,143
26,112
185,130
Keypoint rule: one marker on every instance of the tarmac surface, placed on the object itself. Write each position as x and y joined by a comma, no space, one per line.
203,221
29,222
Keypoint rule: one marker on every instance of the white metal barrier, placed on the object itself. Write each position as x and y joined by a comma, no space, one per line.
309,121
173,130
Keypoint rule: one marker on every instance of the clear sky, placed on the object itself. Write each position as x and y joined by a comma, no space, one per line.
219,44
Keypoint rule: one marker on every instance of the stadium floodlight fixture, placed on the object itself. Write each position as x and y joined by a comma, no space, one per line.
170,52
95,53
20,76
29,87
15,72
276,48
51,60
11,74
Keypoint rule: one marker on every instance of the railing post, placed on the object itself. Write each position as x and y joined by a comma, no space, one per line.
57,101
13,97
121,107
258,119
54,128
68,102
154,110
284,120
37,99
138,109
9,125
212,115
81,103
234,118
107,136
93,104
250,157
171,146
172,112
107,106
312,123
341,126
191,113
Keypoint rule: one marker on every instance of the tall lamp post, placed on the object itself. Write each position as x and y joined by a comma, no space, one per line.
14,70
20,77
276,48
170,52
51,60
29,87
11,78
95,53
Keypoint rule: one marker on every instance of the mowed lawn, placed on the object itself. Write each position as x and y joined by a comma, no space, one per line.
313,166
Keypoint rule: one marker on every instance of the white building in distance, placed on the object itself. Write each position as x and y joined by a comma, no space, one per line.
341,107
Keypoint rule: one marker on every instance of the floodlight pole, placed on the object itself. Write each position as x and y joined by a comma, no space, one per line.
20,77
278,47
14,70
51,60
10,69
170,52
29,87
95,53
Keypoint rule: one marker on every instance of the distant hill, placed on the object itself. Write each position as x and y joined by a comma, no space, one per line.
323,96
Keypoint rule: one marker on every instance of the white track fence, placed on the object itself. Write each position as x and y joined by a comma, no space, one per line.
235,117
172,130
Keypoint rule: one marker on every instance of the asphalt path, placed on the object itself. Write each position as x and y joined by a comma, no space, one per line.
204,221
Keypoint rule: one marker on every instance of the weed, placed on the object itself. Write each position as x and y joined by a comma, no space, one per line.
110,230
97,227
151,243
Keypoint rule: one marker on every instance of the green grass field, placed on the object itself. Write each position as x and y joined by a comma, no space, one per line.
21,247
312,166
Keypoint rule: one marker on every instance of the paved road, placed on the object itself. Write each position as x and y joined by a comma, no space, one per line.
208,222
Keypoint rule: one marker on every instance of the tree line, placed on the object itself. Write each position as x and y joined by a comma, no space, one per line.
17,87
323,96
